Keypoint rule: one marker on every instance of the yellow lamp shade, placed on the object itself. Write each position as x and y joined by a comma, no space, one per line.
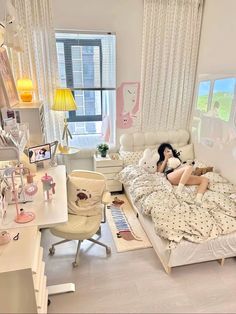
64,100
25,87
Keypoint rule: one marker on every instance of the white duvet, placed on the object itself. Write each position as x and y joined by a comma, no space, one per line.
179,217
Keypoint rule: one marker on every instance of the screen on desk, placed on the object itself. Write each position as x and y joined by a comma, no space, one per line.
39,153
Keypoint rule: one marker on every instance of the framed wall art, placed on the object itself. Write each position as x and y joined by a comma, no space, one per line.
127,104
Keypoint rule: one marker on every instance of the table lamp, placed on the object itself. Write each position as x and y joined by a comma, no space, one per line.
64,101
25,88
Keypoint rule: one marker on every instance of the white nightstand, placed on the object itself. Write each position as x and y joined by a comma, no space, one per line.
110,166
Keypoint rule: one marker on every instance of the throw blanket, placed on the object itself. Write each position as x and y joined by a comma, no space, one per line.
177,216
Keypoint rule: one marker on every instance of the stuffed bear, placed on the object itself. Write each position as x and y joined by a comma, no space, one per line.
199,171
189,162
173,163
149,161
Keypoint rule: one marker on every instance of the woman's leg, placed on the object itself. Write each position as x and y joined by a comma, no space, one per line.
180,176
202,183
184,175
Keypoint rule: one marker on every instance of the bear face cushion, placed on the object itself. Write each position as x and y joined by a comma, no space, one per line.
84,195
149,161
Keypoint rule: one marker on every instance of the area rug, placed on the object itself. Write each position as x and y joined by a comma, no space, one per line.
125,227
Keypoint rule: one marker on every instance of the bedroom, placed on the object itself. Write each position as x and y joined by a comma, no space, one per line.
137,277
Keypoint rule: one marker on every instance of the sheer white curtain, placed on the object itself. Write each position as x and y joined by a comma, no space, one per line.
38,61
171,33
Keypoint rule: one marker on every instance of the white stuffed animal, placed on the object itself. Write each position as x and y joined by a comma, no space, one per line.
173,162
149,161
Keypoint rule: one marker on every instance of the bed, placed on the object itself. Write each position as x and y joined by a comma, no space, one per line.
184,252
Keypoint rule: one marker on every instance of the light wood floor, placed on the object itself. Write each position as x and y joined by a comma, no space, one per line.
135,282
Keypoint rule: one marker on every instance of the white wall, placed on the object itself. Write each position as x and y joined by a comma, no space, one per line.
218,46
217,56
124,17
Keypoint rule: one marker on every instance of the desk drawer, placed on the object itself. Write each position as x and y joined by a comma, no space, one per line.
38,254
38,276
40,296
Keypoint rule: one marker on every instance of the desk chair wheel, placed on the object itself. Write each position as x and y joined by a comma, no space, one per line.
108,250
99,232
75,264
52,251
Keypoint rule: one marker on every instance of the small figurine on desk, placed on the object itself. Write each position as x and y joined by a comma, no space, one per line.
4,237
48,185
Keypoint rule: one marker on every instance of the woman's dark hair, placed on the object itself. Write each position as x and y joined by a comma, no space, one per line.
43,150
30,153
161,149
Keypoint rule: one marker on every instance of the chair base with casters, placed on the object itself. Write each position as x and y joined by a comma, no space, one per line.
82,227
87,227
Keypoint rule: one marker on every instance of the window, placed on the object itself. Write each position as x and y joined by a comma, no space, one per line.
87,66
222,98
203,95
216,96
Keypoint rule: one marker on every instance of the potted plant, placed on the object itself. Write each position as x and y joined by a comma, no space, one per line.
103,148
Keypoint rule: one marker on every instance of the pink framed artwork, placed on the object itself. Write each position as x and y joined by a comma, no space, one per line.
127,104
8,91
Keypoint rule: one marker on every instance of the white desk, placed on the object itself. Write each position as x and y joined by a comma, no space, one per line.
47,213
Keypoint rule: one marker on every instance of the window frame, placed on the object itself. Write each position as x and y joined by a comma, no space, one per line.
68,43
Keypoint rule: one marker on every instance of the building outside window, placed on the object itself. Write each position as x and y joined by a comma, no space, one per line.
87,66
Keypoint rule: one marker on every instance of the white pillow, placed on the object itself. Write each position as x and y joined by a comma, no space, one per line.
186,152
84,195
131,158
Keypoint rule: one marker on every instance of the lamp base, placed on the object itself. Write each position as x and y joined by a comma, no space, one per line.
63,149
24,217
26,96
66,133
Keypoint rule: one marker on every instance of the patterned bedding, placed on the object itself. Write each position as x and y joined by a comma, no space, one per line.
178,217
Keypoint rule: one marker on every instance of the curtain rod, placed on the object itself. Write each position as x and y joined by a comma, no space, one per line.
84,32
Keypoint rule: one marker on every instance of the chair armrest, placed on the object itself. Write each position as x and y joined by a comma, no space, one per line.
106,197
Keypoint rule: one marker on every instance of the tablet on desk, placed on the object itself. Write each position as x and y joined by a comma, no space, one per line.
39,153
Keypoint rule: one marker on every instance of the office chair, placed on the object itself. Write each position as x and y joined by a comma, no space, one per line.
82,227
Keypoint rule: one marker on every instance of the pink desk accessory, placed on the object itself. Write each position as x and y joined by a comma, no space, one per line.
48,185
21,215
31,187
5,237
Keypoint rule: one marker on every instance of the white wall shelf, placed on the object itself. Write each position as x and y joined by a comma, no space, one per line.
32,113
13,152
